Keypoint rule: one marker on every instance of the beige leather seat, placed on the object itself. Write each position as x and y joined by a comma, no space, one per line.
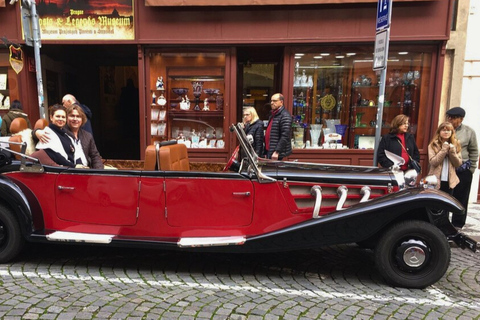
17,125
150,163
40,124
174,158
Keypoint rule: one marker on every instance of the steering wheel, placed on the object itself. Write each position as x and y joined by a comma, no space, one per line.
232,159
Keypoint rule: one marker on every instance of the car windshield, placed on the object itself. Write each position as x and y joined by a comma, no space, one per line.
251,158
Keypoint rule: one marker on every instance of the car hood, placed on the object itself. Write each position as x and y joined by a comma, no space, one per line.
327,173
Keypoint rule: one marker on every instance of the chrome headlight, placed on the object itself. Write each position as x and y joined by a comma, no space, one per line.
410,178
429,182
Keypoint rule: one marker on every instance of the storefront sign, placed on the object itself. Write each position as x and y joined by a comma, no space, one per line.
82,20
16,58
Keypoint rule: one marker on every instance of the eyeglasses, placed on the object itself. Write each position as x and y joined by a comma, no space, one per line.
247,114
274,100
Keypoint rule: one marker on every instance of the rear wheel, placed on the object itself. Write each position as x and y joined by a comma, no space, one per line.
412,254
11,240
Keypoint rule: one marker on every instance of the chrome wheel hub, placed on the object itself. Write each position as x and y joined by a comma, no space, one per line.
414,256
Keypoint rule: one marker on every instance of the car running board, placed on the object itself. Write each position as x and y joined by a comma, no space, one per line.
210,241
79,237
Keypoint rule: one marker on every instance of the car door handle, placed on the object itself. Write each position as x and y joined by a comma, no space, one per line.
242,194
66,188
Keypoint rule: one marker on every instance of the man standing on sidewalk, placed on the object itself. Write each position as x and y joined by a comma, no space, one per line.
468,140
279,130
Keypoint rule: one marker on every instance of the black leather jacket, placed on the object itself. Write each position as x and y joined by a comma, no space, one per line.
391,143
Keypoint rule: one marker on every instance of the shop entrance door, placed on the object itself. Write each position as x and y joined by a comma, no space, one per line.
259,77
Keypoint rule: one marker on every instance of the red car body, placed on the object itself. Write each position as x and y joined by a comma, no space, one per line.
263,206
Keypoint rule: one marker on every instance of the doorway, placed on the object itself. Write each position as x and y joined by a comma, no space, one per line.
104,78
259,77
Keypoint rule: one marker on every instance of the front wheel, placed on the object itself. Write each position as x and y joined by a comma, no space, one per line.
11,240
412,254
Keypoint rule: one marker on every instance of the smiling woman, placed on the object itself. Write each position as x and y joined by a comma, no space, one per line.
86,153
58,146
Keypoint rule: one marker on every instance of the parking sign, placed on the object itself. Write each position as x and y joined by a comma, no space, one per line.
383,14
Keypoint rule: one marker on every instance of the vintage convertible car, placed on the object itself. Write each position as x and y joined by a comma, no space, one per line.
259,206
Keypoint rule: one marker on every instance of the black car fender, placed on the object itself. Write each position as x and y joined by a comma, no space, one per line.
14,198
362,221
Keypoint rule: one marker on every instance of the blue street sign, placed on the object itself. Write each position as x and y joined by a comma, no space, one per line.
384,8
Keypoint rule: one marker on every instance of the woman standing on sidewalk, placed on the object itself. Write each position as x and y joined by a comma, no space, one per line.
444,155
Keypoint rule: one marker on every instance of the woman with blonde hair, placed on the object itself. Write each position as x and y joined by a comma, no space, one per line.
444,155
254,129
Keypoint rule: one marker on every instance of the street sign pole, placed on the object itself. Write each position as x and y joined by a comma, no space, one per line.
34,33
382,39
383,52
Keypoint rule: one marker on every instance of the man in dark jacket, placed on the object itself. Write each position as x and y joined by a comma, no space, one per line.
278,143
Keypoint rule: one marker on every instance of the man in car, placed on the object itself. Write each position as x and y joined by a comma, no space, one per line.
278,134
468,140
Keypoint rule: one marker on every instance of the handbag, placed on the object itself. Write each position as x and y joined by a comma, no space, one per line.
464,166
414,164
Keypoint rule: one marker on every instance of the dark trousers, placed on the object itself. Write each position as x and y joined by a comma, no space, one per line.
461,193
445,187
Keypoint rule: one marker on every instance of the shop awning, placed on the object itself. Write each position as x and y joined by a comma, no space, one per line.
175,3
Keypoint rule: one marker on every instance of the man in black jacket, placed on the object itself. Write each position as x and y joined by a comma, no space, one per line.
278,143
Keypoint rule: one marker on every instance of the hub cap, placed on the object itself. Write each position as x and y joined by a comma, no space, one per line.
414,256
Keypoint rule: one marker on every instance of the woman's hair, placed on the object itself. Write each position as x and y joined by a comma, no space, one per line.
79,109
453,139
397,122
55,108
253,112
16,105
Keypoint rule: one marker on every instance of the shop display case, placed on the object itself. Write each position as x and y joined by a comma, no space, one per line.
400,98
187,101
335,98
318,102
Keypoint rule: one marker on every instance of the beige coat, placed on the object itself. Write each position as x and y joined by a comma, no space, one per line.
436,154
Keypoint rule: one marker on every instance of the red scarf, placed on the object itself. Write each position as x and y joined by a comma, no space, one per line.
269,128
404,154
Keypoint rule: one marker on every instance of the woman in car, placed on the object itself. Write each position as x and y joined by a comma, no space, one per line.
86,152
58,149
85,148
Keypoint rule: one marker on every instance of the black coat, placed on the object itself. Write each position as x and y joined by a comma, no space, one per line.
391,143
256,131
280,134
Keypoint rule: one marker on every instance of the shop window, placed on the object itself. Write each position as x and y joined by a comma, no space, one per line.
335,95
187,92
8,84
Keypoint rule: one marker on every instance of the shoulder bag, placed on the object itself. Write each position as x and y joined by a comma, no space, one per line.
413,163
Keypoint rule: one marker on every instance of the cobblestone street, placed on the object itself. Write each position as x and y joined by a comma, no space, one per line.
74,282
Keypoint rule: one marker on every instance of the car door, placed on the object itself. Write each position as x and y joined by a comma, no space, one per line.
209,202
106,198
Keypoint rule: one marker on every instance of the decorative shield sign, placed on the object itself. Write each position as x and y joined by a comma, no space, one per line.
16,58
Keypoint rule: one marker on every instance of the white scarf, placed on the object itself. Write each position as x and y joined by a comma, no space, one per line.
54,143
